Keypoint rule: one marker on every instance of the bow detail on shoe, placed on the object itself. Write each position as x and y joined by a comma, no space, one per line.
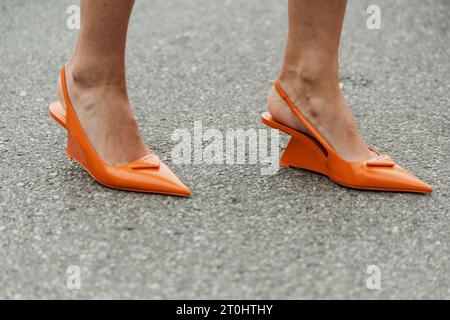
150,161
381,161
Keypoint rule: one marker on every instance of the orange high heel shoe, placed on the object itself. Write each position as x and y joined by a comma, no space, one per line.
147,174
316,154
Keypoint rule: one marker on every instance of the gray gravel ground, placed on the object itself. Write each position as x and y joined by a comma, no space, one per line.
291,235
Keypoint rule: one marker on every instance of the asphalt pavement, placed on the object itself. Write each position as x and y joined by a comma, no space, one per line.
242,234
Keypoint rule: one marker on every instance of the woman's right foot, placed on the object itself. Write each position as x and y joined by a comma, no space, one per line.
105,114
323,104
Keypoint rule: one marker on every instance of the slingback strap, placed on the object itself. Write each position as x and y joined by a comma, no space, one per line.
302,118
150,161
64,86
379,161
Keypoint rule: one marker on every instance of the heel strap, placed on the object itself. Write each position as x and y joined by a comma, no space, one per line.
64,87
72,123
301,117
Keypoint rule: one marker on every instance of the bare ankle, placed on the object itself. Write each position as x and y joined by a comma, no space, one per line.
87,76
83,85
310,78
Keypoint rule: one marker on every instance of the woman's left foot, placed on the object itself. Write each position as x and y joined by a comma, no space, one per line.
326,109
